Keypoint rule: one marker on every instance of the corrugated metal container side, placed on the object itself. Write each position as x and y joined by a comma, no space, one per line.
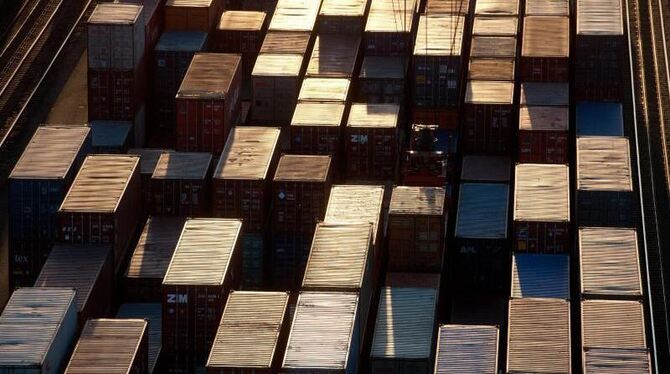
489,117
148,160
251,334
491,69
324,90
539,336
543,135
613,324
540,276
104,204
116,37
416,229
37,185
89,269
192,15
609,263
151,258
276,81
497,8
208,102
616,361
486,169
316,129
111,137
548,8
152,19
382,80
467,349
545,94
115,94
390,27
151,312
545,49
342,16
37,330
333,320
461,7
118,345
599,119
404,336
203,269
482,252
240,32
295,15
180,184
334,56
437,61
542,208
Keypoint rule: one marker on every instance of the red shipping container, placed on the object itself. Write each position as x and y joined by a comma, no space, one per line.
276,80
180,184
115,94
192,15
443,118
416,229
543,135
241,182
545,49
240,32
104,204
148,160
208,102
316,129
204,268
489,117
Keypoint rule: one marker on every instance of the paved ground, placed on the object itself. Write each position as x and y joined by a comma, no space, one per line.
72,104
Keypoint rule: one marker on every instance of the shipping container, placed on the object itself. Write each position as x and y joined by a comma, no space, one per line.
203,269
342,16
316,129
116,37
617,324
150,259
437,61
599,119
287,42
548,8
538,338
502,47
540,276
542,208
334,56
486,169
89,269
152,19
267,6
240,32
37,330
148,160
416,229
372,141
250,337
37,186
104,204
151,312
118,345
382,80
491,69
180,184
616,361
467,349
110,137
276,81
325,334
495,26
482,246
295,15
609,263
404,334
543,135
172,57
192,15
489,115
605,194
460,7
324,90
545,50
544,94
497,8
117,95
390,27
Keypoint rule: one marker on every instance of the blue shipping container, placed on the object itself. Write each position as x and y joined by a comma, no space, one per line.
599,119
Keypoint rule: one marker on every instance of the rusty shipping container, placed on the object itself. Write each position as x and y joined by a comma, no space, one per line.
276,80
467,349
316,129
390,28
545,49
151,312
240,32
382,80
542,209
325,90
251,335
180,184
334,56
342,16
148,160
543,135
150,259
489,117
295,15
37,186
192,15
203,269
547,8
104,204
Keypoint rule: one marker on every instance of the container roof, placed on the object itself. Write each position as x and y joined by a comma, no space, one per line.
343,8
183,165
417,200
467,349
286,42
440,35
318,114
546,36
155,247
497,8
603,164
599,119
241,20
277,65
486,168
115,13
495,26
599,17
491,69
383,67
493,47
617,361
613,324
544,118
295,15
152,313
110,133
182,41
355,203
544,94
391,16
210,76
482,211
324,89
487,92
148,158
303,168
540,276
373,115
190,3
448,7
547,8
334,56
248,153
542,193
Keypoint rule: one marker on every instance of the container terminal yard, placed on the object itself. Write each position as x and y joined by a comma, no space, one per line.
345,186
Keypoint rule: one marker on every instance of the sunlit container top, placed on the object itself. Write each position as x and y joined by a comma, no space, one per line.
613,324
115,14
382,67
334,55
204,252
616,361
322,331
248,153
343,8
100,183
373,115
241,20
547,8
599,119
603,164
439,35
493,47
486,168
497,8
182,41
324,89
461,7
277,65
426,201
148,158
544,118
295,15
609,262
482,211
489,92
467,349
116,36
599,17
303,168
286,42
392,16
546,36
183,165
112,344
538,339
152,313
318,114
248,334
540,275
495,26
355,203
338,257
110,133
542,193
545,94
51,152
209,76
190,3
155,247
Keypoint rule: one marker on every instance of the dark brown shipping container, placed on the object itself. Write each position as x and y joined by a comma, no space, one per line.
180,184
115,94
104,204
112,346
491,69
416,229
208,102
390,28
543,135
316,129
382,80
148,160
334,56
286,42
489,117
342,16
240,32
150,259
204,268
192,15
276,80
545,49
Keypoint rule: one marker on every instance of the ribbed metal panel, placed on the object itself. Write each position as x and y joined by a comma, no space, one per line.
482,211
373,115
154,250
334,56
440,35
392,16
599,17
541,276
547,8
497,7
485,92
318,114
355,203
295,15
544,118
616,361
182,165
495,26
209,77
467,349
546,36
303,168
324,89
542,193
427,201
613,324
248,153
152,313
343,8
239,20
603,164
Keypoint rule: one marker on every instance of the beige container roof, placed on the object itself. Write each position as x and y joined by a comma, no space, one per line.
182,165
547,8
603,164
486,168
333,55
115,14
51,152
248,334
343,8
355,203
545,94
209,76
599,17
491,69
392,16
440,35
100,184
546,36
448,7
324,89
613,324
426,201
204,252
248,153
318,114
495,26
295,15
303,168
277,65
190,3
286,42
497,8
467,349
373,115
155,247
542,193
493,46
489,92
148,158
241,20
617,361
544,118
